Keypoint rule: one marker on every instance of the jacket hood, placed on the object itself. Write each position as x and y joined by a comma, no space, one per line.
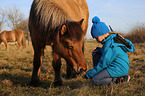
129,48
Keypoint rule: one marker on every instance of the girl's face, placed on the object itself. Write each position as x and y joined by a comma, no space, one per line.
100,38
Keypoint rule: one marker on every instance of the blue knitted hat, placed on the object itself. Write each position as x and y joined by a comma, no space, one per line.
98,28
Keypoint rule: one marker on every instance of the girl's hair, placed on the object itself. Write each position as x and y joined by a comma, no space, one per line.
115,33
110,32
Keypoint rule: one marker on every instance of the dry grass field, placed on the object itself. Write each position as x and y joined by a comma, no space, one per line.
16,68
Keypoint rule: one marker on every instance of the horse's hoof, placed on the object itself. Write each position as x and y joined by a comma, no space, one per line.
57,83
67,77
70,76
34,84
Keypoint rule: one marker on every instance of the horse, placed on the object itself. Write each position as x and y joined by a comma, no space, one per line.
62,24
12,36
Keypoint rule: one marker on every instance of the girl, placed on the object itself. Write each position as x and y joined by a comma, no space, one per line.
112,63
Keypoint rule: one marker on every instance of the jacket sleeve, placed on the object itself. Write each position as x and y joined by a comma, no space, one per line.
107,57
132,49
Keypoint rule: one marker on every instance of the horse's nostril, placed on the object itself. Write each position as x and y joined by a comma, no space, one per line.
85,69
82,70
79,71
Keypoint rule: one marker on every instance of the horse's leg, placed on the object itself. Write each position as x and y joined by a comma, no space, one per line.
6,44
56,63
0,43
19,44
38,53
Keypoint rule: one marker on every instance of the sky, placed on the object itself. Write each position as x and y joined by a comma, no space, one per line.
122,15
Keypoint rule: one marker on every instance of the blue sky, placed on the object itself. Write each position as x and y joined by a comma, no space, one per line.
122,15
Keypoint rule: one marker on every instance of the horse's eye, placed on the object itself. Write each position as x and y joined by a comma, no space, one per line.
70,47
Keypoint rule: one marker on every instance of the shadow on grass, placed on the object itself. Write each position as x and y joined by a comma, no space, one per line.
19,79
8,67
24,80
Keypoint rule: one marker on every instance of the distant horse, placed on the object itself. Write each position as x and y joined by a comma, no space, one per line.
58,23
12,36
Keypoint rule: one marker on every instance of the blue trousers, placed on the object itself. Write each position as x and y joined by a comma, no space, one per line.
102,78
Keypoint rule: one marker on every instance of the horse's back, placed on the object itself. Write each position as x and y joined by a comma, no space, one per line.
8,36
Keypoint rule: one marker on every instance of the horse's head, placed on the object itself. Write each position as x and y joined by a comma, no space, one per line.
69,45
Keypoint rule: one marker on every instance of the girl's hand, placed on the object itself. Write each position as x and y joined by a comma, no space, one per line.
90,73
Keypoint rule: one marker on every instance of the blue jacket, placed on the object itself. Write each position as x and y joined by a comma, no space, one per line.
114,58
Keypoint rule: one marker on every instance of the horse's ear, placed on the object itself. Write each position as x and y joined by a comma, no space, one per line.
81,21
63,29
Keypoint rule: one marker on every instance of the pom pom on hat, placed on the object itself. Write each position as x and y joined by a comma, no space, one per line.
95,20
98,28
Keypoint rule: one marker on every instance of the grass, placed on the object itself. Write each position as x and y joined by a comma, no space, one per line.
16,69
137,34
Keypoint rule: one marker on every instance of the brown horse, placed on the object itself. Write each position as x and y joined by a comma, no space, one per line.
58,23
12,36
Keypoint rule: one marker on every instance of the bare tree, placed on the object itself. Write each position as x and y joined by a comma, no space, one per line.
23,25
14,17
2,18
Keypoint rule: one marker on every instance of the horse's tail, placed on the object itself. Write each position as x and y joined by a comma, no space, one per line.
24,40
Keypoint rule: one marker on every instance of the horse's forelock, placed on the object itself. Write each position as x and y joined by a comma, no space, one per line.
74,32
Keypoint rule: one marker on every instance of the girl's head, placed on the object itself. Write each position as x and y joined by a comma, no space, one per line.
99,29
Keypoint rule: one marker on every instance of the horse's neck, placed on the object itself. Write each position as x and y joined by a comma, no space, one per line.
79,1
68,5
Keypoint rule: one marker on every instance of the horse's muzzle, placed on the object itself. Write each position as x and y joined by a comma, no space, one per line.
79,71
